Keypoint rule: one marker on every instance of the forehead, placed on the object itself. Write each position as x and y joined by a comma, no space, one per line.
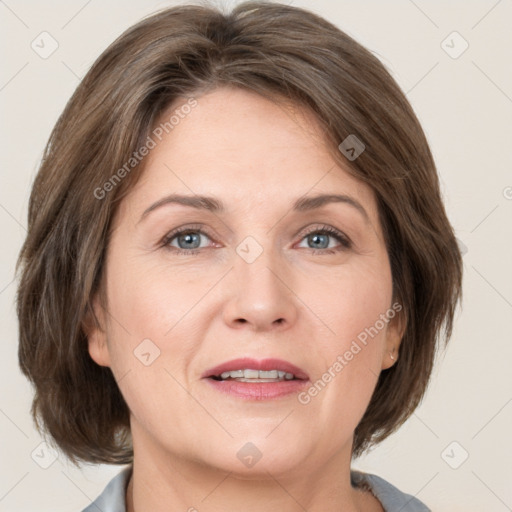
249,151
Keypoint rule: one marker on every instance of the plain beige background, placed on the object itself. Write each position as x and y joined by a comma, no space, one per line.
455,452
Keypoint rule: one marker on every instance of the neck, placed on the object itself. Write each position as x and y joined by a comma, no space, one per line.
166,484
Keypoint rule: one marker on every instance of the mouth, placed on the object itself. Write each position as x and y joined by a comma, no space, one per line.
257,379
254,370
249,375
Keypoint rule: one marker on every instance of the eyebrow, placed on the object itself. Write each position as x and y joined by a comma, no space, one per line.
302,204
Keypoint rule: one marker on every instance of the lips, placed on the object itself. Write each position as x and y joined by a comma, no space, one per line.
255,364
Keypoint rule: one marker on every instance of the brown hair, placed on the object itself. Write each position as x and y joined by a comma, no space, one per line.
277,51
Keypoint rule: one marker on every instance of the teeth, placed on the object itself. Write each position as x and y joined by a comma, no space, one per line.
256,375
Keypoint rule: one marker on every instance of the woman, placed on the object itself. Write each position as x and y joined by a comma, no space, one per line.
231,275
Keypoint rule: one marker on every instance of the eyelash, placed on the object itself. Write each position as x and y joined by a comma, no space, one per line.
324,230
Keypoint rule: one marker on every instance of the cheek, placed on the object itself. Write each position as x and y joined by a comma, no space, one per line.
353,306
147,344
153,328
350,300
149,300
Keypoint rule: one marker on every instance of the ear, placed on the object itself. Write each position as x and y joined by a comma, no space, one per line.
394,333
94,327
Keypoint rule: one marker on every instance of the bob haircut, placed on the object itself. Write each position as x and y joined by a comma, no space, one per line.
284,54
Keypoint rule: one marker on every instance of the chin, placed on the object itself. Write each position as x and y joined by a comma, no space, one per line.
251,460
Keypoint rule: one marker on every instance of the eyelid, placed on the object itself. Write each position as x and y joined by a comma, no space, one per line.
322,227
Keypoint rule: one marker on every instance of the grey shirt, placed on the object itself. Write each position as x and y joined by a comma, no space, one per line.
112,499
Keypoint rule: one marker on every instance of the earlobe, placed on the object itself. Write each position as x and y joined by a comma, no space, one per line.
394,334
94,329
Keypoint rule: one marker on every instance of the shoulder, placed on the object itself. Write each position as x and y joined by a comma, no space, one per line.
390,497
112,499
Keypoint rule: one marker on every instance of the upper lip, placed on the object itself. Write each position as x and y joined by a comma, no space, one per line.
256,364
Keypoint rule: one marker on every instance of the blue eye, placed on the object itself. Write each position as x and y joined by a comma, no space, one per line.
320,238
188,240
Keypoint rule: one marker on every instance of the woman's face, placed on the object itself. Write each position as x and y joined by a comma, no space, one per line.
258,278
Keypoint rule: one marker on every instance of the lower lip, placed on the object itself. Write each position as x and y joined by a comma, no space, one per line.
258,390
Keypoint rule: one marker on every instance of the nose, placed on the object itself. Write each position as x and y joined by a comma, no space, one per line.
261,296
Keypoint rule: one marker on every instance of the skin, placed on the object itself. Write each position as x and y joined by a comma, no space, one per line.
200,310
